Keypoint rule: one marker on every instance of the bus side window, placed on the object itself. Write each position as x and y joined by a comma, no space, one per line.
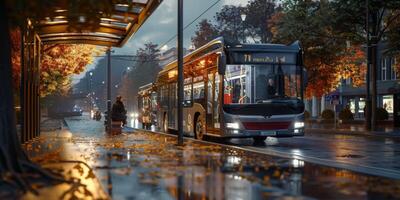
187,95
198,92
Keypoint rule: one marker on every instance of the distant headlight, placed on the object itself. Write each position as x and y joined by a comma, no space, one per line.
232,125
298,124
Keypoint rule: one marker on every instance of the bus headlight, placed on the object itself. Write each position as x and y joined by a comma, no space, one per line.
232,125
134,115
298,124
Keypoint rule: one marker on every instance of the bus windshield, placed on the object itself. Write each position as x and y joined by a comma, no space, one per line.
244,84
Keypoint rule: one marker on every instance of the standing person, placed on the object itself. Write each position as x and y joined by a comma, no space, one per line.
271,90
118,112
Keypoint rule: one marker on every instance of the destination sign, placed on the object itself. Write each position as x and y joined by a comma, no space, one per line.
262,58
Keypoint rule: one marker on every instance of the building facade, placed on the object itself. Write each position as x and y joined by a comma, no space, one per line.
388,83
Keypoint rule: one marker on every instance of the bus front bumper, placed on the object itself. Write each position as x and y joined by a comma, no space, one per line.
237,133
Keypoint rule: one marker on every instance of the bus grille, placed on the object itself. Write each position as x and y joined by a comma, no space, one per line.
266,125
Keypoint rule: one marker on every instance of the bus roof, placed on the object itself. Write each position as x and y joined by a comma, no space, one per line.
145,88
220,44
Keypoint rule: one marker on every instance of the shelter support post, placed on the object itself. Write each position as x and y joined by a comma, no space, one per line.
30,82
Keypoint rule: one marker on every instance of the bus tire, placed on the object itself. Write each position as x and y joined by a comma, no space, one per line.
259,139
198,128
165,123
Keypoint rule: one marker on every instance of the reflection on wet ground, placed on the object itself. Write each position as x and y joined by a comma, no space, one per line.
143,165
377,153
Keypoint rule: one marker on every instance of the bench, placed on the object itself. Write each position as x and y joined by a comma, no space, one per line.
116,127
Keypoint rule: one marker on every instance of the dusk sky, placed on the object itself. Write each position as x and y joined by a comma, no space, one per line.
162,25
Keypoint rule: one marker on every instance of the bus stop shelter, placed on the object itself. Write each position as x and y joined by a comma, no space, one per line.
112,28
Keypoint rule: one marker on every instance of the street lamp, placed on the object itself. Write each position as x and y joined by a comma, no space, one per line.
90,89
243,16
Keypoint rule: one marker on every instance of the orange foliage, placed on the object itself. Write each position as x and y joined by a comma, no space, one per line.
15,37
352,65
58,64
326,78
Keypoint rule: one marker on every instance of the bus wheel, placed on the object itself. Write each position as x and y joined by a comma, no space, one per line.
259,139
198,128
165,124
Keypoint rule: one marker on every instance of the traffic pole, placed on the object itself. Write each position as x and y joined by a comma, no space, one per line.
180,72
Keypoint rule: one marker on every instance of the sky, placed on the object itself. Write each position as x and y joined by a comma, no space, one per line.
162,25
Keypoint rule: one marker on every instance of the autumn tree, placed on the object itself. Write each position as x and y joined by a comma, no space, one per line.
311,23
383,19
351,65
205,32
61,62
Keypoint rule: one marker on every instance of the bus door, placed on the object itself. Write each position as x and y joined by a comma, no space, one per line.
212,111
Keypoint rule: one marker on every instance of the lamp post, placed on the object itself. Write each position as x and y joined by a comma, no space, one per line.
368,76
180,72
243,16
109,90
90,91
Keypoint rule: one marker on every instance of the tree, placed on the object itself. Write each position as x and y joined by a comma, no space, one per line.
229,23
351,20
144,72
311,23
205,32
352,66
60,63
259,14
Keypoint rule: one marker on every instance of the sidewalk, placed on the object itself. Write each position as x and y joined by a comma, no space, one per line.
352,129
51,151
147,165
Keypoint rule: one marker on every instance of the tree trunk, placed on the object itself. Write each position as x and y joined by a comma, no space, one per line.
10,148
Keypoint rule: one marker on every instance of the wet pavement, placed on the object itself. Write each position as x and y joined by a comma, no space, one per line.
372,155
145,165
357,126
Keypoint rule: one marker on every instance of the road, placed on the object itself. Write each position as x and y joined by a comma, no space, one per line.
372,155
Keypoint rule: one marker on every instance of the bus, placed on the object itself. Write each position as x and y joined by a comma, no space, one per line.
147,105
235,91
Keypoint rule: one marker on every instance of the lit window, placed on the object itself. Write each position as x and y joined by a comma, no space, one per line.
384,69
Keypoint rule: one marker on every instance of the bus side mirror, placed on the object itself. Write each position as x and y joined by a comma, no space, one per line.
221,64
305,78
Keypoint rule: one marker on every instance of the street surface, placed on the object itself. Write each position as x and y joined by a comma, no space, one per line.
146,165
373,155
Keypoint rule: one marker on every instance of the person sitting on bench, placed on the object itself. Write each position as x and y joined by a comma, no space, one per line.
118,112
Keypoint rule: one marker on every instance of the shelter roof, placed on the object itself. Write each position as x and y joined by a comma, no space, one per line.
112,29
